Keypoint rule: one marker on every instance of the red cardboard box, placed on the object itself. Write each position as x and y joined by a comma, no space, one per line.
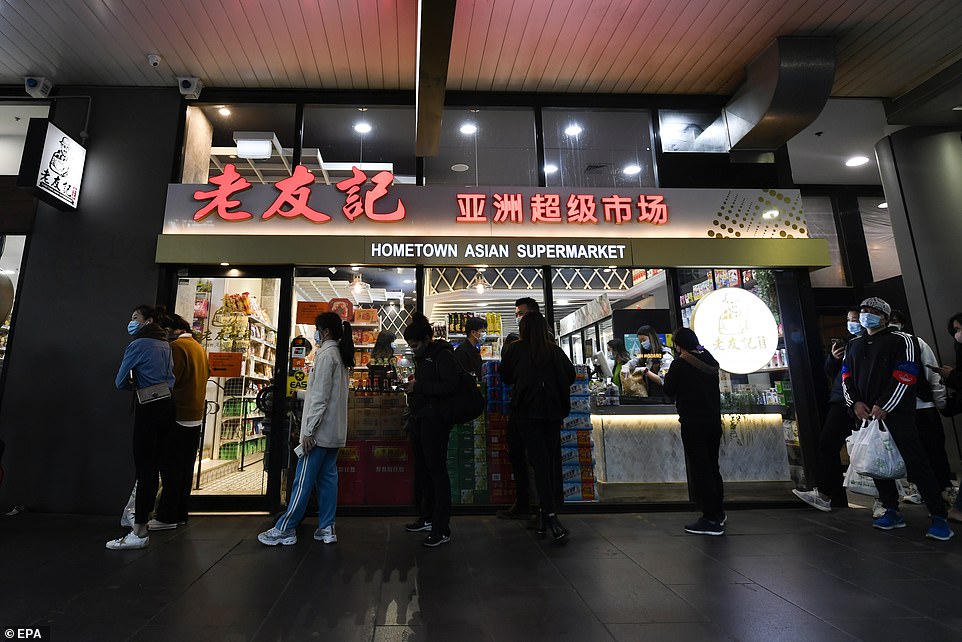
351,469
390,473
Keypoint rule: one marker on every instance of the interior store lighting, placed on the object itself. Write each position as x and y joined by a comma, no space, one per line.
631,170
550,169
883,206
770,214
255,145
573,129
358,284
223,111
362,127
480,283
856,161
469,128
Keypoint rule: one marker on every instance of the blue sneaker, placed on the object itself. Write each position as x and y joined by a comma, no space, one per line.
939,529
891,519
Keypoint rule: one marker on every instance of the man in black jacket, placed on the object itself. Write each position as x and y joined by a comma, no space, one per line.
468,351
879,373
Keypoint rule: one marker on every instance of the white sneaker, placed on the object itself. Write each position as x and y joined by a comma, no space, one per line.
326,534
877,509
128,542
273,537
814,499
157,525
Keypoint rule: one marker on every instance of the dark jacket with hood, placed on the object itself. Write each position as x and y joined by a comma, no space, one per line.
541,389
695,387
435,380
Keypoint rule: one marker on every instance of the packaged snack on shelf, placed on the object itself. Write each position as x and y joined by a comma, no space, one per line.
577,422
365,316
580,387
576,439
580,403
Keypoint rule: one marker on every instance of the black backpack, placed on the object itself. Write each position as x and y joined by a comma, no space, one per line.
467,402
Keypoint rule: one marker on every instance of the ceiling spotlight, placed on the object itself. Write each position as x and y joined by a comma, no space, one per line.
358,284
631,170
469,128
550,169
573,129
224,111
362,128
225,264
770,214
883,206
362,108
356,268
459,167
480,283
856,161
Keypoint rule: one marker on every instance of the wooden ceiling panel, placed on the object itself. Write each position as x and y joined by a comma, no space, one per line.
498,39
633,47
407,28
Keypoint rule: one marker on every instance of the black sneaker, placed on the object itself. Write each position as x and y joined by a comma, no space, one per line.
421,525
705,527
436,539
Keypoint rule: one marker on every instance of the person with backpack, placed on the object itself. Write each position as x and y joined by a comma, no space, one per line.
541,374
323,433
431,397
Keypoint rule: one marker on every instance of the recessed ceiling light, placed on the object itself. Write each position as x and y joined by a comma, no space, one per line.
362,128
573,129
550,169
362,108
408,281
770,214
223,111
883,206
469,128
856,161
459,167
631,170
356,268
225,264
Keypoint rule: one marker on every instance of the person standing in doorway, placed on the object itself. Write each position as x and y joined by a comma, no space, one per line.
879,374
828,491
323,433
191,370
468,351
146,365
429,394
692,380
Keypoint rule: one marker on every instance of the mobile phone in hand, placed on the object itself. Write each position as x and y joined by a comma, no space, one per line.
299,451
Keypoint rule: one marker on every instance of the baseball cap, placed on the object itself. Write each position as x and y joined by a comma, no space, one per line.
877,304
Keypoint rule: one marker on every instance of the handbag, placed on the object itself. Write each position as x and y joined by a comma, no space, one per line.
153,393
872,452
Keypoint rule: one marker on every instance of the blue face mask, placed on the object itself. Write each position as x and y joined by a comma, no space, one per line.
393,347
854,327
646,344
317,337
870,321
133,327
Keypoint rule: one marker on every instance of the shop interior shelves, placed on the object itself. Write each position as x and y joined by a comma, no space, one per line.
363,345
365,325
262,322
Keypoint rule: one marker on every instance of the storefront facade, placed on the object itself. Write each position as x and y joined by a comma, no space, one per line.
133,233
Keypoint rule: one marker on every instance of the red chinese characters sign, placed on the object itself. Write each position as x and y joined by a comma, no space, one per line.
295,191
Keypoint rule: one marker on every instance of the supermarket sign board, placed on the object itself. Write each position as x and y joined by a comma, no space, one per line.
374,206
737,328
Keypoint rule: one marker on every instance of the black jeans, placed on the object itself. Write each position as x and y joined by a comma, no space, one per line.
152,425
932,436
518,456
701,439
541,439
828,466
901,424
429,441
177,472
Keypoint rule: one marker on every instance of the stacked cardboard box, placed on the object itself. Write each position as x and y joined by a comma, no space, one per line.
577,458
467,463
375,417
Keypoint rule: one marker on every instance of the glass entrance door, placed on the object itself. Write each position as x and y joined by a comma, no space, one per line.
235,320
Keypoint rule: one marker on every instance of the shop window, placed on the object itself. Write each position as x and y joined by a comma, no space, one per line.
257,139
235,319
693,131
375,138
879,238
820,216
11,258
376,465
598,148
484,147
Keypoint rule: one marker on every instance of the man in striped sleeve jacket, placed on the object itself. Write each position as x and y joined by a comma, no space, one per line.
879,372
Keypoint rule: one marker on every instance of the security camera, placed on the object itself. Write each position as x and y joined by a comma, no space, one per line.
153,60
37,86
190,87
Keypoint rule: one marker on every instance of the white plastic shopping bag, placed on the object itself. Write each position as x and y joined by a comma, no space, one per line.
873,453
127,516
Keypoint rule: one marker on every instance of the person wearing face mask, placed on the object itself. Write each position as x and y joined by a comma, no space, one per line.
952,375
468,351
879,373
383,364
619,354
323,433
652,362
147,363
828,491
429,393
191,370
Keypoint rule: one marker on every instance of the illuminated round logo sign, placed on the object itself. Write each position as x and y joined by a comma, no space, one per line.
737,328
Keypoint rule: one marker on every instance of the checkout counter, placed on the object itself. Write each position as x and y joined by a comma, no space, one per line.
639,454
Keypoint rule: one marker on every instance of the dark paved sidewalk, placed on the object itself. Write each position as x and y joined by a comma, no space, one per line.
776,575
